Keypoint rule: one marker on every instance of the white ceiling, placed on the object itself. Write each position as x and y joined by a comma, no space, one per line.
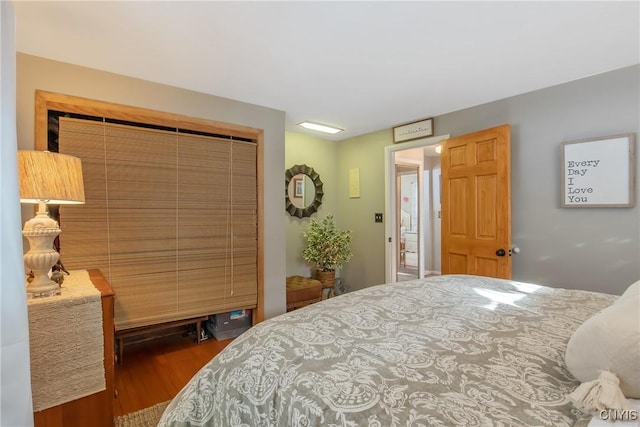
358,65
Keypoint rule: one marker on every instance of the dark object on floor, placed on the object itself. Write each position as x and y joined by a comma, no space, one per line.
224,326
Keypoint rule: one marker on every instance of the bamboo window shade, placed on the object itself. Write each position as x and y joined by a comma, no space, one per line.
169,218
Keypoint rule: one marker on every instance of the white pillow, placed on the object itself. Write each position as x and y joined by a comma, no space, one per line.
610,340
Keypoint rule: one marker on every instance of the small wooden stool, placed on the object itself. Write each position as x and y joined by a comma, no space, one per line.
302,291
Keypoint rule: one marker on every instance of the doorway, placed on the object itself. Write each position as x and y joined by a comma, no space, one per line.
413,247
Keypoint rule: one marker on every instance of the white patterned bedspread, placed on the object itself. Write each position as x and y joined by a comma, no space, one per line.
443,351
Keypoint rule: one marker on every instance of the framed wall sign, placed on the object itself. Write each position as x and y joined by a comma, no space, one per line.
599,172
415,130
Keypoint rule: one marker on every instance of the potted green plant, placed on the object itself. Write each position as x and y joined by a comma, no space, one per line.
327,248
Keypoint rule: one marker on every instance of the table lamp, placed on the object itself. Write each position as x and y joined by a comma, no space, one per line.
52,178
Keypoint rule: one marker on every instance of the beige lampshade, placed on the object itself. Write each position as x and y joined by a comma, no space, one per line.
51,177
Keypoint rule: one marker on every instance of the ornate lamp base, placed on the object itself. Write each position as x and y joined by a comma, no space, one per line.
41,231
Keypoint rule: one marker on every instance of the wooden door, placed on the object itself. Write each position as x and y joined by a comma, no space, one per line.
476,203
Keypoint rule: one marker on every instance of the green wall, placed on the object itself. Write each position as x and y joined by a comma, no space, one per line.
367,266
333,160
321,155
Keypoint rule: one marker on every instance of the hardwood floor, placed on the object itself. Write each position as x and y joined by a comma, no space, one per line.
155,371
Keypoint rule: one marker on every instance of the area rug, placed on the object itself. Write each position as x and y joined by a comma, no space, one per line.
147,417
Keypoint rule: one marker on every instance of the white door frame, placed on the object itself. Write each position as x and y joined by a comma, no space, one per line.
390,249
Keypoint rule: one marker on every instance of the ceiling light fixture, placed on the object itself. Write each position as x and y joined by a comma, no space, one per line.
319,127
438,148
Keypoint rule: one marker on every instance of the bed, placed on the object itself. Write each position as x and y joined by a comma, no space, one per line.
451,350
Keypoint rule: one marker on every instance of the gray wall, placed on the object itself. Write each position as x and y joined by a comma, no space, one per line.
589,248
39,73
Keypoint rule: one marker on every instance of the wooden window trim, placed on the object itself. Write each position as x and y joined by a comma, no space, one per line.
46,101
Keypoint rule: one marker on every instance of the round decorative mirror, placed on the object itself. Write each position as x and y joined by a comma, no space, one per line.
303,191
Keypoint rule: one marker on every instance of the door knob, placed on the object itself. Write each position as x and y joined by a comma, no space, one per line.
501,252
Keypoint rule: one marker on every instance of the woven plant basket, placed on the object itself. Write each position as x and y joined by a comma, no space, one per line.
327,278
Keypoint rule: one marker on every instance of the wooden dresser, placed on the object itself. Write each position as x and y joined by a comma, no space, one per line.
95,410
